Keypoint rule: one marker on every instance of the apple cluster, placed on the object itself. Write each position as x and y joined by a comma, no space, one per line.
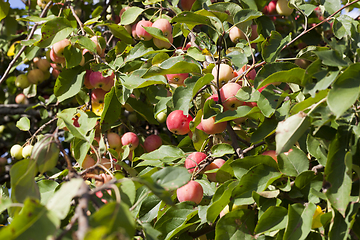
280,7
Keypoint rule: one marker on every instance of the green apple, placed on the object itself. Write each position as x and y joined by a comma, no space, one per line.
16,152
27,150
22,81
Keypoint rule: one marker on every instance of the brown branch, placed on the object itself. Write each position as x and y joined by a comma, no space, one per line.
257,144
78,20
7,71
81,211
12,109
234,143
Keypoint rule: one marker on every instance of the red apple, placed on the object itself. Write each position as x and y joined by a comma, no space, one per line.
98,95
226,74
166,28
152,143
236,34
97,80
282,8
271,153
187,4
141,32
55,73
193,160
88,162
210,127
114,140
177,78
133,32
178,123
192,191
130,139
227,95
216,164
272,7
250,75
87,83
35,76
55,58
21,99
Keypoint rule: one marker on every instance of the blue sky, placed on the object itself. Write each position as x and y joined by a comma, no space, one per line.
17,4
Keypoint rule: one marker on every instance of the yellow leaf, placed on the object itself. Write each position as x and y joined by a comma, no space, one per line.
11,51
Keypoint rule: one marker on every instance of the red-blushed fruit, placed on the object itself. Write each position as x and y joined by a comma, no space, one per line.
216,164
164,25
130,139
55,73
97,80
22,81
98,95
271,153
43,65
227,95
272,7
100,51
210,127
282,8
114,140
21,99
192,191
141,32
133,32
55,58
236,34
88,162
177,78
265,10
178,123
152,143
59,47
250,75
35,76
187,4
226,74
163,44
87,83
193,160
254,33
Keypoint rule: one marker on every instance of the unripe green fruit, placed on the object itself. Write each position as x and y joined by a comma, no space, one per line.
27,150
161,117
16,152
22,81
2,128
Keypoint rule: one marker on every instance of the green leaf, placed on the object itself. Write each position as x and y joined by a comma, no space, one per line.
79,149
242,166
73,56
146,112
84,42
274,218
256,179
171,178
191,19
316,149
299,221
112,110
293,163
120,32
241,111
238,56
130,15
47,189
4,9
135,81
221,149
272,46
182,96
33,217
202,82
309,102
54,31
290,130
331,58
46,153
294,75
342,26
338,172
166,153
237,224
156,33
68,83
246,15
23,124
22,181
345,90
115,217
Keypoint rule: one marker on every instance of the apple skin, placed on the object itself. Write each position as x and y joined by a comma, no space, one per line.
130,139
161,117
226,74
272,7
22,81
164,25
282,8
141,32
216,164
187,4
114,140
21,99
98,95
162,44
87,83
133,32
270,153
210,127
236,34
97,80
302,63
35,76
250,75
27,150
177,78
152,143
59,47
43,65
88,162
55,58
100,51
178,123
192,191
193,160
16,152
227,95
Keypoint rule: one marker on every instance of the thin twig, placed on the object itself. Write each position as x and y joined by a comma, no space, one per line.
78,20
7,71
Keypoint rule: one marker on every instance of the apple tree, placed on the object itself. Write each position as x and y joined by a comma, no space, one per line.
190,119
